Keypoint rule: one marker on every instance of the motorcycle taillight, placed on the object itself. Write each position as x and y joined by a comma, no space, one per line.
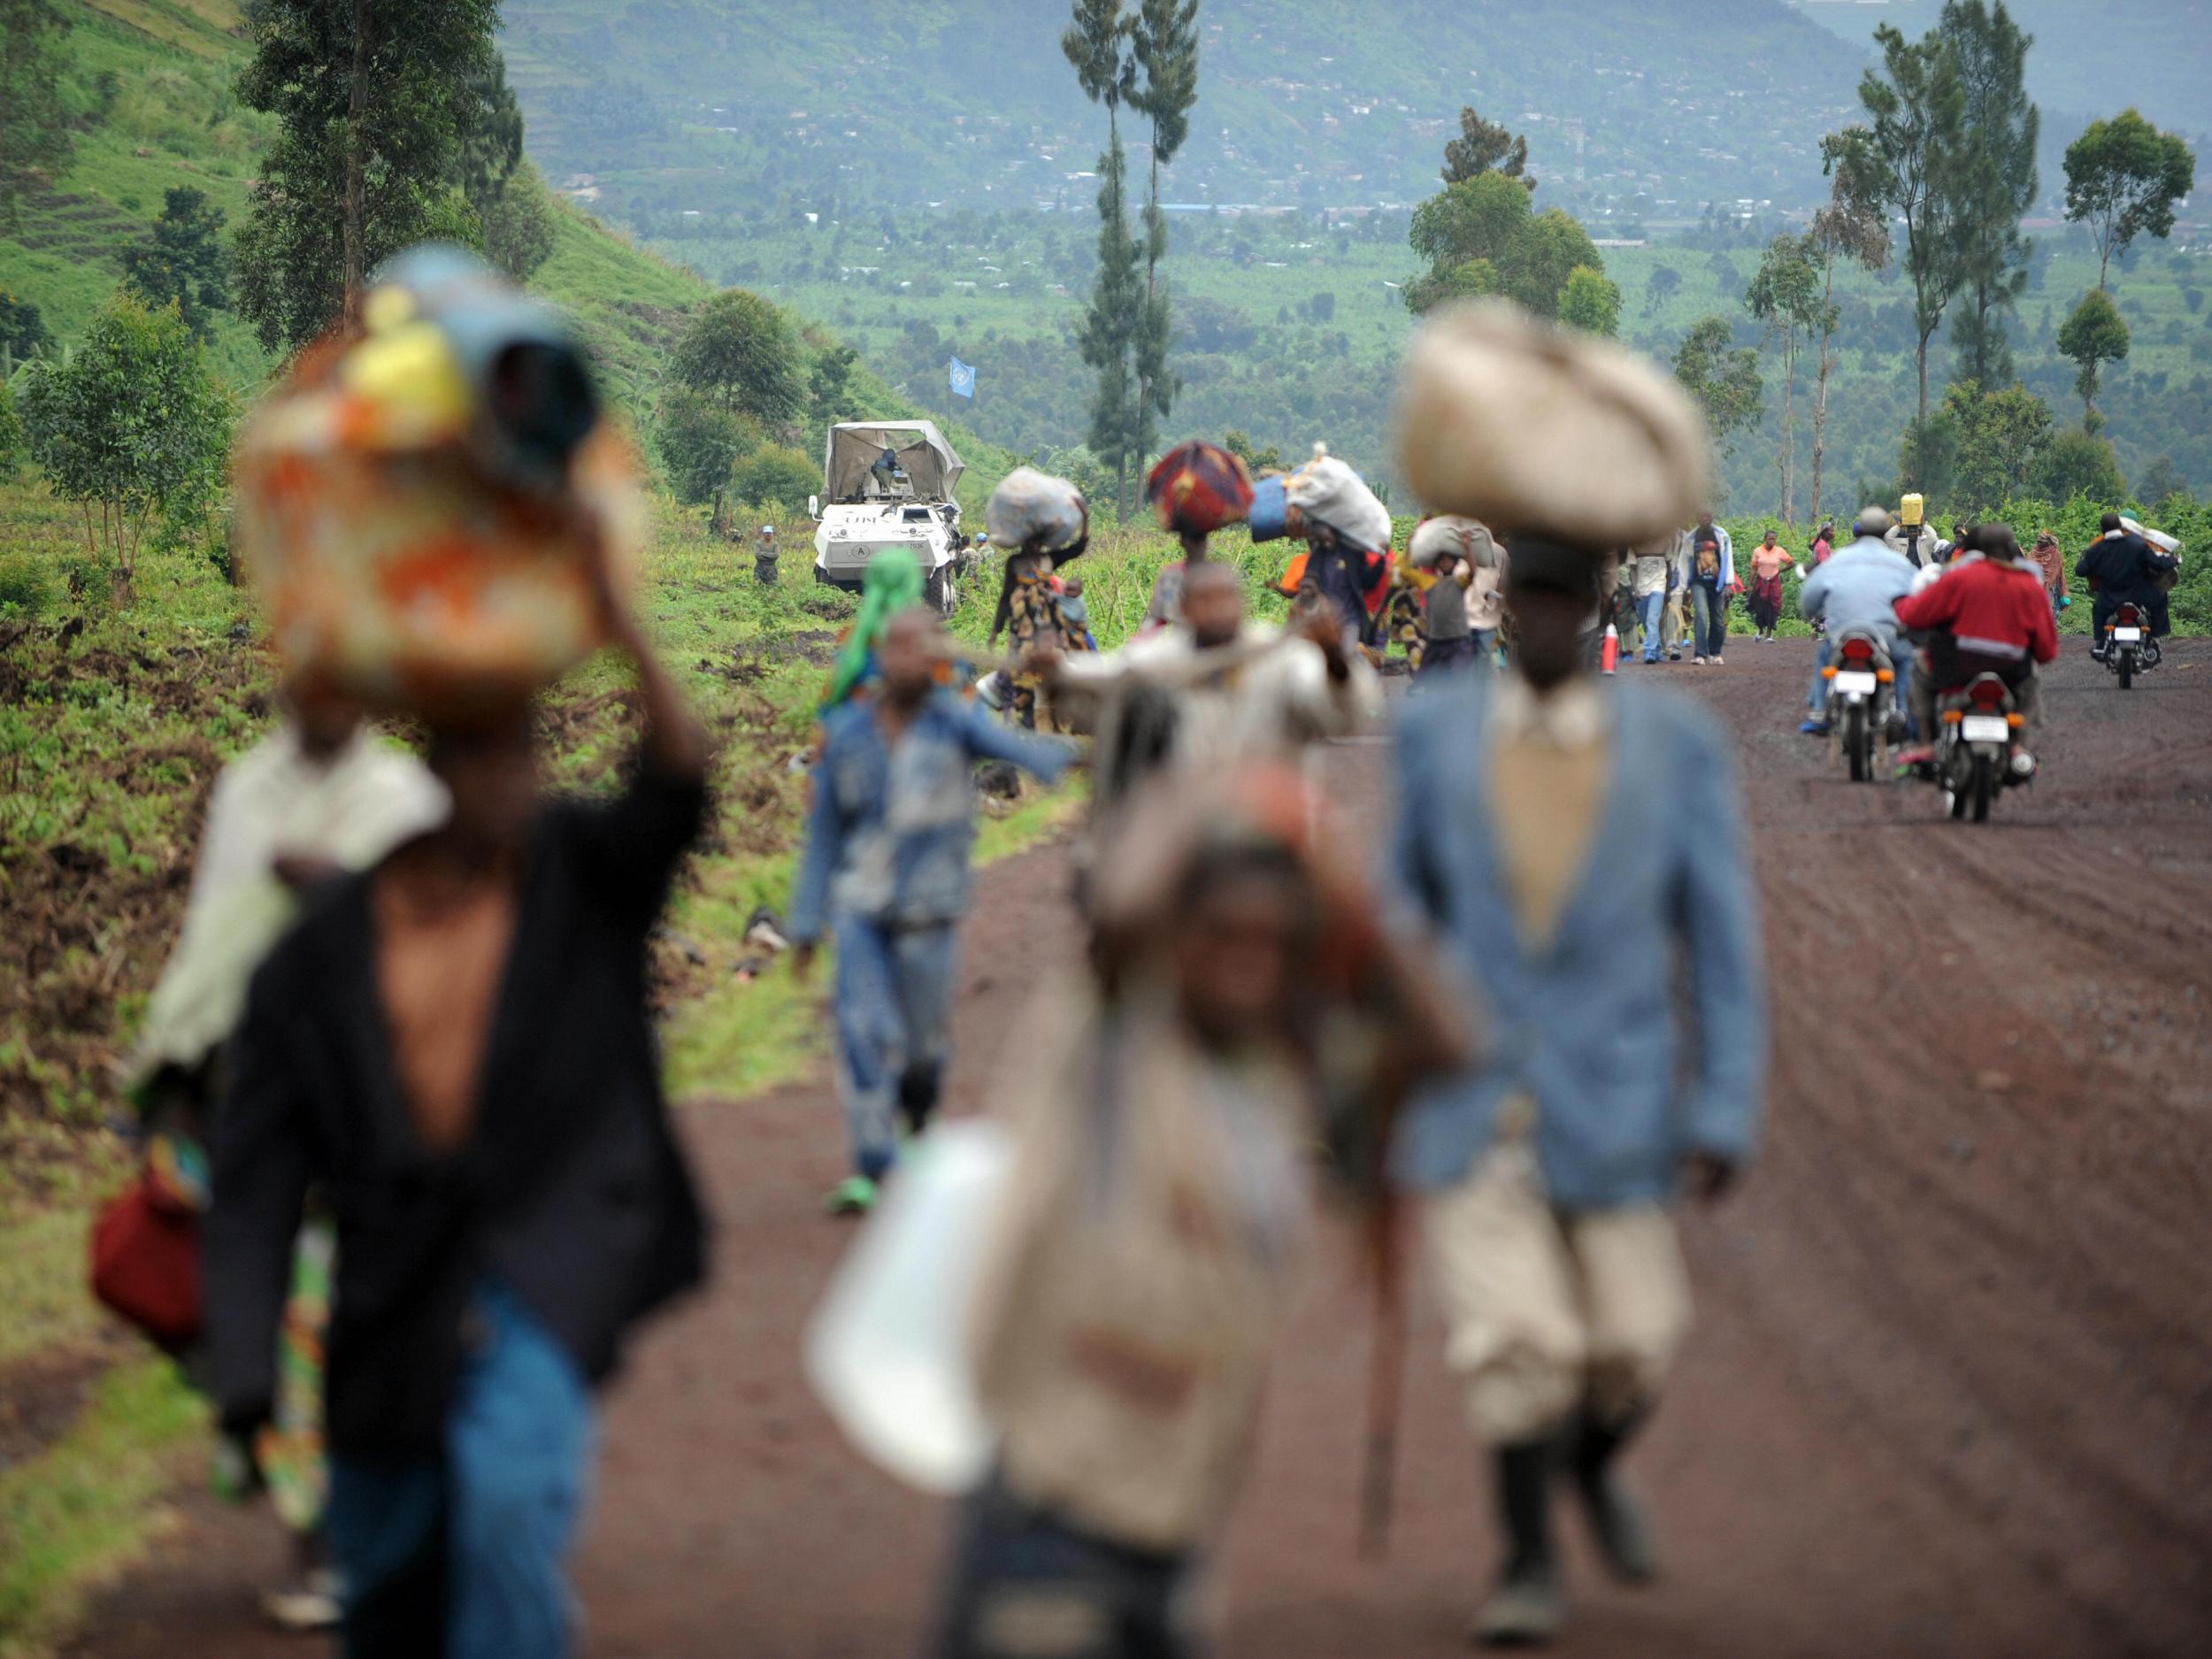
1986,694
2128,617
1858,651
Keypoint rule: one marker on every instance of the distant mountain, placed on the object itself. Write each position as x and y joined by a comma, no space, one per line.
2093,56
723,105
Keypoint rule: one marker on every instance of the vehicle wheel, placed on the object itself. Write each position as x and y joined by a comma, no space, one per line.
1854,742
1984,784
2127,672
943,593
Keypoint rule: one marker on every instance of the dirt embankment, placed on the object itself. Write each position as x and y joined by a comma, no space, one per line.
1951,1389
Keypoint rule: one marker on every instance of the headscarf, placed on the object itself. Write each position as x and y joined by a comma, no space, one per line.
891,583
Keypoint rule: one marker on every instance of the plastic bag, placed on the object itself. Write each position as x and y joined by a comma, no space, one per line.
1033,510
887,1349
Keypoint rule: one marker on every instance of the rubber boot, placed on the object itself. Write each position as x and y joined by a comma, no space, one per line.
1616,1517
919,1087
1527,1608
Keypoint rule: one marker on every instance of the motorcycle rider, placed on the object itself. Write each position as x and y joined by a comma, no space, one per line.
1987,615
2121,568
1856,588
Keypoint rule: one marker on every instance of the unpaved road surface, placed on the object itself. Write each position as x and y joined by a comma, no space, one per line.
1950,1394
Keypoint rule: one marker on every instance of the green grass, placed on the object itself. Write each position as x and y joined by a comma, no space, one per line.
85,1506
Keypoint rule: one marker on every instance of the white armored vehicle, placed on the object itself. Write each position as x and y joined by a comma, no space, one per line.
887,484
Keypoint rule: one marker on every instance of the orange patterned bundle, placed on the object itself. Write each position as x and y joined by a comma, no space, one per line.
400,552
1197,487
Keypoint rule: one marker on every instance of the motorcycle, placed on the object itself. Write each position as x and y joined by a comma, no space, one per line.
1977,746
1862,702
2129,648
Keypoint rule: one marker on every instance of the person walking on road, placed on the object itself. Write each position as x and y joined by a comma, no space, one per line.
2050,559
454,1049
1769,560
1712,581
1543,827
1578,841
886,871
1652,563
1143,1258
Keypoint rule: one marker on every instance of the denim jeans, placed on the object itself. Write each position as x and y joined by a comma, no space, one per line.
894,1014
1649,611
1708,624
1817,698
1016,1569
463,1556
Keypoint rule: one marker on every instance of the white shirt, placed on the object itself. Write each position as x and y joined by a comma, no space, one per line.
273,799
1570,716
1269,707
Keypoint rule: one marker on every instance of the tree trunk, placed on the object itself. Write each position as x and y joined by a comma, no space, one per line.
356,253
1789,427
1820,393
1920,426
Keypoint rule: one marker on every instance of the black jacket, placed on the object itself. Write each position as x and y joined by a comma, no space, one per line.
572,1189
2124,567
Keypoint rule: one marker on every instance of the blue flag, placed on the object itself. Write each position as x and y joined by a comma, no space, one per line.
962,378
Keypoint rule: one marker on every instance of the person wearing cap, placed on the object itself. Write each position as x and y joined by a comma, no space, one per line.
1571,839
884,872
765,556
454,1049
1858,589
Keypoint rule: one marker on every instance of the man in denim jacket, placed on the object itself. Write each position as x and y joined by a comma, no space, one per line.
1569,835
886,871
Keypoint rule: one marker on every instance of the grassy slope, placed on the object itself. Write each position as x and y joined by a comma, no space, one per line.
110,737
173,120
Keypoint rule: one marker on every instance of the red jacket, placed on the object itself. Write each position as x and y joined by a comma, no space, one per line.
1988,605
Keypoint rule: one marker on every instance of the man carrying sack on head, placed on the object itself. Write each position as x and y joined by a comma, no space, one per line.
453,1046
1571,836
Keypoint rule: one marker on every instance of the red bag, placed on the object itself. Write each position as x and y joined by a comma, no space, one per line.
146,1261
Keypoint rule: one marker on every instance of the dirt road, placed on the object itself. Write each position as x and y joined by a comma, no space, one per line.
1951,1392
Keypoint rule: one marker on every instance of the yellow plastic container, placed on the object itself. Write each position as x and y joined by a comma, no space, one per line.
1912,510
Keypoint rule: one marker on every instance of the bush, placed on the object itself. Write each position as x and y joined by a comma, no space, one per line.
27,585
777,476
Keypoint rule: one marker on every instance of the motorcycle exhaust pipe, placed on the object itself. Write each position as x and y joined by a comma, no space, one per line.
2022,766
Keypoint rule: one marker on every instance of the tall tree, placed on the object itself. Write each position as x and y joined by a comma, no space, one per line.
2095,334
374,102
1917,111
1999,180
2122,178
1722,376
1164,46
185,261
35,141
1850,225
1785,296
1480,236
1097,44
1485,147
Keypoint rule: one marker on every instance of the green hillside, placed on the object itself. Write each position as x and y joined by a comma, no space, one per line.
722,105
150,84
1291,329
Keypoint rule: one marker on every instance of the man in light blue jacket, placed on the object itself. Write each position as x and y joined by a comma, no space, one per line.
1569,835
1859,588
886,868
